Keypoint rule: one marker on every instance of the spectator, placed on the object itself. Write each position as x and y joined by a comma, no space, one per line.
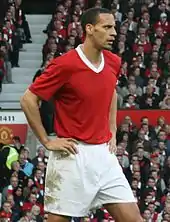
40,156
17,143
32,201
26,166
6,211
36,214
9,189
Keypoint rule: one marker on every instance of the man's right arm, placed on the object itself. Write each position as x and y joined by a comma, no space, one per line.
30,106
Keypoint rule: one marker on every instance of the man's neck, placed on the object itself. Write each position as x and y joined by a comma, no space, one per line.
92,54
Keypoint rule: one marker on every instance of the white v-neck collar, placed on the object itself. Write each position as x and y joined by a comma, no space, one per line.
88,63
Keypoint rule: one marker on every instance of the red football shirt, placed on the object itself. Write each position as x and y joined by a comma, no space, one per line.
82,94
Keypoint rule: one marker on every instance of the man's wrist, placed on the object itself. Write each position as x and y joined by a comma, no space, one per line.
45,141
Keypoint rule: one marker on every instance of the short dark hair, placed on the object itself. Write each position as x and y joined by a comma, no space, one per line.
90,16
17,138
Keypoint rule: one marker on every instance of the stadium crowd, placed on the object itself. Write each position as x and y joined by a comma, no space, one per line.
14,32
143,152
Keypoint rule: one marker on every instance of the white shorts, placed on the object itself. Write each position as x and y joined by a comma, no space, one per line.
75,184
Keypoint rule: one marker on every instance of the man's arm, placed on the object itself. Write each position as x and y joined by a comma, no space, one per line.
30,105
113,113
113,124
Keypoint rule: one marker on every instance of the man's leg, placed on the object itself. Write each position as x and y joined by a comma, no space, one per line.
122,212
57,218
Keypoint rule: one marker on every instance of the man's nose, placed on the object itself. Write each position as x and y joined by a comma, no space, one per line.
114,33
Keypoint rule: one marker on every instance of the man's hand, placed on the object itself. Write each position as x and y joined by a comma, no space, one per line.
112,145
67,145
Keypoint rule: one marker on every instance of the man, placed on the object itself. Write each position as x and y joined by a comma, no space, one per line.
6,211
8,154
41,157
26,166
9,189
17,144
83,171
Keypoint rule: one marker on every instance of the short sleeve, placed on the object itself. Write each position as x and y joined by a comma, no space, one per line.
51,80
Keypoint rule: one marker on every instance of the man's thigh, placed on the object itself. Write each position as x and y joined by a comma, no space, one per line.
124,212
58,218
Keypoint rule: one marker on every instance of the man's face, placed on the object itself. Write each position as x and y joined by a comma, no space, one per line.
137,175
147,214
142,31
68,3
59,16
10,199
119,150
131,2
151,207
33,198
9,16
14,182
161,145
145,128
18,2
123,30
41,166
134,159
155,56
141,134
145,121
162,7
151,183
140,153
16,166
146,16
17,143
122,38
41,152
71,40
61,8
142,37
127,119
159,31
162,135
134,184
103,32
125,127
136,167
38,174
7,207
131,99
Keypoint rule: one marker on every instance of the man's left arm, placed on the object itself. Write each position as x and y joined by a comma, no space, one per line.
113,124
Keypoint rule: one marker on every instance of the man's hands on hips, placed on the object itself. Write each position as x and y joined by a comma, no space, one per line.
67,145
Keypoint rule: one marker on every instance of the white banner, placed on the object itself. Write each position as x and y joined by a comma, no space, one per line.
12,117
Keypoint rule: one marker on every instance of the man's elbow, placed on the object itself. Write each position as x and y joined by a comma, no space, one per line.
27,99
23,100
